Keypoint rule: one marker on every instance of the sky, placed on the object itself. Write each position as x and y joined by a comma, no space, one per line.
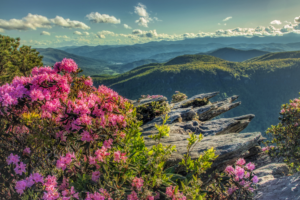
57,23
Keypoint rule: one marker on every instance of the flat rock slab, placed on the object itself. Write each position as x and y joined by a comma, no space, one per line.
199,96
147,100
285,188
208,128
271,172
228,147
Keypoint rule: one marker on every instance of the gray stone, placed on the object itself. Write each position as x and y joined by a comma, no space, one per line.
199,96
137,103
284,188
271,172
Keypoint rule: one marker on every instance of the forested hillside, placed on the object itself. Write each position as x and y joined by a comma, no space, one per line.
262,86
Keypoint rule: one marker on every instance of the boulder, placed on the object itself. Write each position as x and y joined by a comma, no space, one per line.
284,188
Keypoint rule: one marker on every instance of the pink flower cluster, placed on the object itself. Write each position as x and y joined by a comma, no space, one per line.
99,196
48,91
118,156
20,167
241,175
51,89
65,161
267,148
170,191
52,191
137,183
67,65
26,151
28,182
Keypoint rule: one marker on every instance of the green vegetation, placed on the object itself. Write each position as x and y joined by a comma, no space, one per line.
15,61
262,86
201,63
286,135
279,55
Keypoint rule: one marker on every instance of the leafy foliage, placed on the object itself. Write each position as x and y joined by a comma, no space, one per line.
15,61
286,135
62,138
178,96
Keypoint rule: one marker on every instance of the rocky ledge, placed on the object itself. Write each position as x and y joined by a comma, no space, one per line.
197,114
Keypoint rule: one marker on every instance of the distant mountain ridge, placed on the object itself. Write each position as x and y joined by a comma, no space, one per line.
279,55
262,85
236,55
89,65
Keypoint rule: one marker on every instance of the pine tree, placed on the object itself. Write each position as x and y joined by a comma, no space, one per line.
15,61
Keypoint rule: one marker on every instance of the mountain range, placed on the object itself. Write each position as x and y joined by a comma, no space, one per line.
263,83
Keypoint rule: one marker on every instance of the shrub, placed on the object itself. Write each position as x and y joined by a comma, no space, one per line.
286,135
16,61
178,96
62,138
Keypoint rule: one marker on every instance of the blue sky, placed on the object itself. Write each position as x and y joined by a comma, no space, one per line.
96,22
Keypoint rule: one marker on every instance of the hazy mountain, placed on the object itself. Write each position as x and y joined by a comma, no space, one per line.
164,50
280,55
163,57
236,55
262,86
89,65
121,68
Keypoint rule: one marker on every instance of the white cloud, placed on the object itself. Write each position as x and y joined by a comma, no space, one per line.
226,19
81,33
219,24
45,33
26,23
144,19
100,36
297,19
140,9
276,22
225,24
287,28
38,21
67,23
137,31
62,36
102,18
107,33
126,26
77,33
2,30
142,22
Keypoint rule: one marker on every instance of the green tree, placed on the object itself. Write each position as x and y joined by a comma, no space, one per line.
15,61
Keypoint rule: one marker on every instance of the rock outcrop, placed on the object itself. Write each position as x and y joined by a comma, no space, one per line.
196,115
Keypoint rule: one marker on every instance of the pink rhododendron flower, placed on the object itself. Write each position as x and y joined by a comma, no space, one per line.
88,81
241,161
255,179
21,186
95,176
13,159
26,151
107,143
229,170
138,183
239,171
132,196
250,166
20,168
